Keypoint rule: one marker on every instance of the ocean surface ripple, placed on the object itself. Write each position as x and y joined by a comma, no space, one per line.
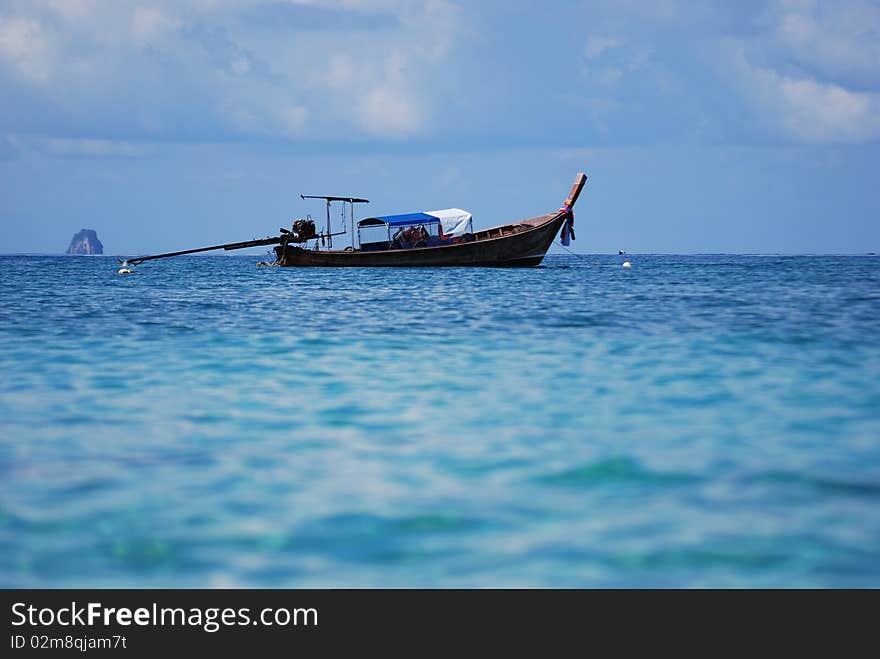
691,421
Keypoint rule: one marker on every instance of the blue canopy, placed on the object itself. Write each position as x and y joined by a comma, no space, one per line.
401,220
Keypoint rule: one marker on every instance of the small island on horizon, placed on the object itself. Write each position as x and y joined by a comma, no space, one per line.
85,241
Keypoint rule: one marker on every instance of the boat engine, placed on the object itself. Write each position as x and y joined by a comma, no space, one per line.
303,230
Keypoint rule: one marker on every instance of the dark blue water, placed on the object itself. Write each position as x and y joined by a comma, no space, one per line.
691,421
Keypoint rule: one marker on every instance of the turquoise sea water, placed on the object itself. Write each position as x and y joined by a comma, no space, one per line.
692,421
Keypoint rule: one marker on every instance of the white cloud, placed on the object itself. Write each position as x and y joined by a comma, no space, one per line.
842,39
379,93
812,111
64,147
388,112
149,23
24,47
608,59
809,73
240,65
73,10
804,70
293,118
384,88
597,45
8,150
162,63
277,118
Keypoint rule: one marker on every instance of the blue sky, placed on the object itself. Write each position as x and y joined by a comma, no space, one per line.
704,126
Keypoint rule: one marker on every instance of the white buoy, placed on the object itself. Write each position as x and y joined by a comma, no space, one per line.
627,264
125,271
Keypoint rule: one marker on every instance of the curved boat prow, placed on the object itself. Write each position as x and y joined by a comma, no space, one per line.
579,182
567,209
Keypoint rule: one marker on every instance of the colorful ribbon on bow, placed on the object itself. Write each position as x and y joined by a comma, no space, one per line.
568,226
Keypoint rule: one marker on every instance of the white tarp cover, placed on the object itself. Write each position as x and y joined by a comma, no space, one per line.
455,222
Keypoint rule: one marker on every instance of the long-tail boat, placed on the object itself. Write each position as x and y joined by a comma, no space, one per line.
435,238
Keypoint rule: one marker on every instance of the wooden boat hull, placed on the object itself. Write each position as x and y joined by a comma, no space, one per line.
521,244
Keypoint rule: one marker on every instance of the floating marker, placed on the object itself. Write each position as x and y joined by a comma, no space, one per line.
627,264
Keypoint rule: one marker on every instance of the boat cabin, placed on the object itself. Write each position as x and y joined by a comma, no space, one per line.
443,227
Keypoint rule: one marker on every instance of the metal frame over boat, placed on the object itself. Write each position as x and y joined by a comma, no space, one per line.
518,244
